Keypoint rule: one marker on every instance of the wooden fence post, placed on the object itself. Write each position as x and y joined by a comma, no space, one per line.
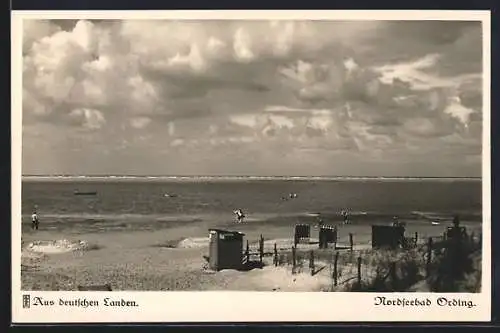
247,253
429,257
393,275
351,241
359,271
294,262
416,238
311,262
275,255
261,248
335,271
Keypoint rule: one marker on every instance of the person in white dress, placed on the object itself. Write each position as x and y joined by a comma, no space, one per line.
239,215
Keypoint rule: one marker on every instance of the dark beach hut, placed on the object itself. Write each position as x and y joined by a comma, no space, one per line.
387,236
302,231
226,249
327,235
456,232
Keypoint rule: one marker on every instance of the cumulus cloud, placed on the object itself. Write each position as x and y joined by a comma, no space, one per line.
366,89
457,110
140,122
414,73
92,119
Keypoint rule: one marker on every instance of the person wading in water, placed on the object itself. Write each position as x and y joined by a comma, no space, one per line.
239,215
345,215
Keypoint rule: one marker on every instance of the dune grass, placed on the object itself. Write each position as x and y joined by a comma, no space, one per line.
453,268
457,267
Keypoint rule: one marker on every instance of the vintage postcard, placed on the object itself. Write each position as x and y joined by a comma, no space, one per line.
205,166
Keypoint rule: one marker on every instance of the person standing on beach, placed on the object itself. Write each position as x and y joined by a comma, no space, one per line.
34,220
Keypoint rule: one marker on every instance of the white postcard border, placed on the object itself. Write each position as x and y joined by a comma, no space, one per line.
247,306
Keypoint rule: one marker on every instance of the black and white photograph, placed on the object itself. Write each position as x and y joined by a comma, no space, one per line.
253,155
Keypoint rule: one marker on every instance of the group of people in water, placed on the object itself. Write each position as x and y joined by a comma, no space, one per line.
240,216
290,196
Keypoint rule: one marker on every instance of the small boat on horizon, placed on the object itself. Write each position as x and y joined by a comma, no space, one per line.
76,192
167,195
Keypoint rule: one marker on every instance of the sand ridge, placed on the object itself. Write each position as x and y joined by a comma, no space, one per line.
56,246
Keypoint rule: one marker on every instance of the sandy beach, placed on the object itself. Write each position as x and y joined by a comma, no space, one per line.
173,259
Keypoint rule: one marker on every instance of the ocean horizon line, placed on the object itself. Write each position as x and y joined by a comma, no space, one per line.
206,177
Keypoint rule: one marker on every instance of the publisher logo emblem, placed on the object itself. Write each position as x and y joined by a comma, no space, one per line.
26,301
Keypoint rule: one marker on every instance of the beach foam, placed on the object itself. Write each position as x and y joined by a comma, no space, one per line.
310,214
57,246
195,242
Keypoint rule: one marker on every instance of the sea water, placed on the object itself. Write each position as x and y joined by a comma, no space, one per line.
142,203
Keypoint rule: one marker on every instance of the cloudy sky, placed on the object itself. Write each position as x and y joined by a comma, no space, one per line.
359,98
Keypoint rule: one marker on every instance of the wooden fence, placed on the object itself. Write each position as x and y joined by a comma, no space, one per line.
355,269
249,254
389,269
